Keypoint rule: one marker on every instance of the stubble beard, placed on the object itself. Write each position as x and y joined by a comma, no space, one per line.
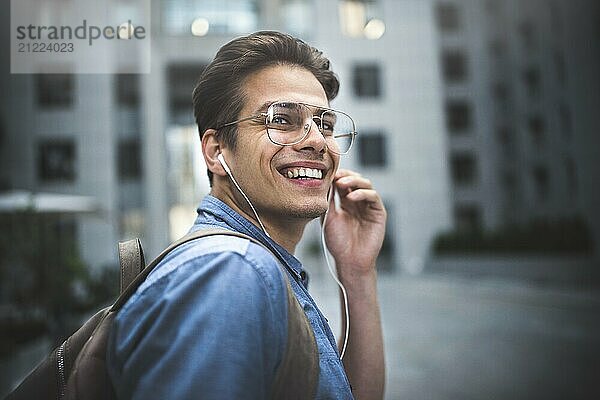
308,211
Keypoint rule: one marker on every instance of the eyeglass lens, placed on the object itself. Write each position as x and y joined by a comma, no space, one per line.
289,123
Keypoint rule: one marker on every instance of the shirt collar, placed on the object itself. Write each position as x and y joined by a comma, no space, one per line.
213,211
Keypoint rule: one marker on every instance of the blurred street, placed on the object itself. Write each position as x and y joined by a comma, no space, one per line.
449,337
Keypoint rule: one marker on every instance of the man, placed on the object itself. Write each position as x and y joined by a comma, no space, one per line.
211,320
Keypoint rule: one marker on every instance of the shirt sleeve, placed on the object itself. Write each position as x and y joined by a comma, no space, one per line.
214,328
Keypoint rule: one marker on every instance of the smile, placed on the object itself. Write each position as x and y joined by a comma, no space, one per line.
302,173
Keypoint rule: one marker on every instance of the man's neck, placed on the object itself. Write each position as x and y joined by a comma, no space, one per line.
286,232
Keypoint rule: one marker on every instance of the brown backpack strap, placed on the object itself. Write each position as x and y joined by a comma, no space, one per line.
131,261
298,374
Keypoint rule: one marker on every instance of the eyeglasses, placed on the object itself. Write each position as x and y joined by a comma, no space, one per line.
288,123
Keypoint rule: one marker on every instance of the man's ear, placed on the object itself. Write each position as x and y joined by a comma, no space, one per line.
211,148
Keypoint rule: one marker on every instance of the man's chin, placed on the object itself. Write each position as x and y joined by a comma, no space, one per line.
307,211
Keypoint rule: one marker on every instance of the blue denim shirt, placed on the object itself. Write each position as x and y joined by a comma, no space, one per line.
210,321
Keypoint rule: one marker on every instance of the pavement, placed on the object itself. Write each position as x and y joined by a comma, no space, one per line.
453,337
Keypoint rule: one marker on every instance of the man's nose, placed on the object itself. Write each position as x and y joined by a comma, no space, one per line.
314,138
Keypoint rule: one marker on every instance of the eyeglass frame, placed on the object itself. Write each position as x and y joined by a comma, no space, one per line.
319,126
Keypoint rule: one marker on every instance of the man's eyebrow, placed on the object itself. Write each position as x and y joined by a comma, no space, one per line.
321,109
264,106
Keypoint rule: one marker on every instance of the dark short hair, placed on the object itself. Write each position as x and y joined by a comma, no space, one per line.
218,95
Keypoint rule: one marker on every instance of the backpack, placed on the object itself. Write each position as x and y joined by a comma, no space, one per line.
76,370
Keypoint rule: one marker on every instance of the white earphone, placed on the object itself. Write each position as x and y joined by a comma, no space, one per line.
223,163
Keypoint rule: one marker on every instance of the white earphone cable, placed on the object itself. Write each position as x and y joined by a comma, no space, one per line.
226,167
335,278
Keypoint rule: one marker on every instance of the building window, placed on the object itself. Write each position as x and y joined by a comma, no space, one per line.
510,196
448,17
367,80
458,116
565,120
129,159
182,79
454,65
128,89
219,17
571,177
537,128
509,184
372,149
527,32
498,47
560,66
128,98
55,90
464,169
467,217
501,95
56,160
296,16
532,81
541,182
505,137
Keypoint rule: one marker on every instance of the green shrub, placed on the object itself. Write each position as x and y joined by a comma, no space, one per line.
564,236
45,287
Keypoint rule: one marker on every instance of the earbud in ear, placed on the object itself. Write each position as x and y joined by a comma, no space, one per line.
223,163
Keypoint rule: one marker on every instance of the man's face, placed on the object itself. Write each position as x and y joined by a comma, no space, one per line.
262,167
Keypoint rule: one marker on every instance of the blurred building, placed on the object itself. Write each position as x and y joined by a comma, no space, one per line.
469,114
514,112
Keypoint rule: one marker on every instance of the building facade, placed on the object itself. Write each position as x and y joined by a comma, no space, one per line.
469,114
518,93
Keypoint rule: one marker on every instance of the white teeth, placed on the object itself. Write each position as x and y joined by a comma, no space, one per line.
304,172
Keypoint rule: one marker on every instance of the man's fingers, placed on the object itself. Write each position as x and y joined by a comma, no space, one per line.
354,189
345,172
353,182
367,195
